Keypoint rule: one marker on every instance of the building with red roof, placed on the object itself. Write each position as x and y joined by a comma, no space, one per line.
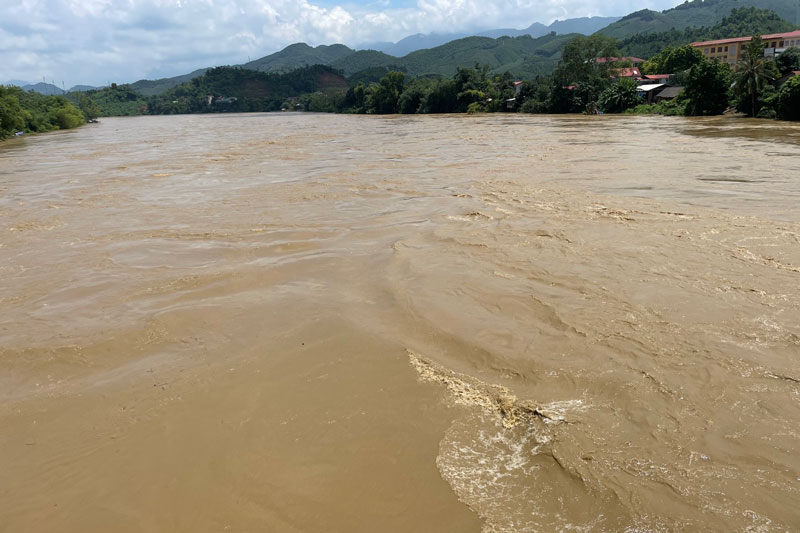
626,73
656,77
635,60
730,50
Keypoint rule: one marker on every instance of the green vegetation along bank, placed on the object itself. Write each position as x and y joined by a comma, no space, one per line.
31,112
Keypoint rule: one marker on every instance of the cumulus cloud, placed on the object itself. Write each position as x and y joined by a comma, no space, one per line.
101,41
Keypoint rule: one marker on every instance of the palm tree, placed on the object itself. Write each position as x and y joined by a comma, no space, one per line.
751,73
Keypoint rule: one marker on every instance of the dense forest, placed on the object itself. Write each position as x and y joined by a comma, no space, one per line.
233,89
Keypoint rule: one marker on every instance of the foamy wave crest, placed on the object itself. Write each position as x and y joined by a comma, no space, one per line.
466,390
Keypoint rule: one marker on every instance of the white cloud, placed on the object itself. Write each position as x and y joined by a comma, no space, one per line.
97,41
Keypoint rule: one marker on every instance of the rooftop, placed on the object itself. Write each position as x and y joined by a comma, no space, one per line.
613,59
649,87
670,92
626,72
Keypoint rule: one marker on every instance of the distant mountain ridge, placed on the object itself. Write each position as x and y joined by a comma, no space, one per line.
75,88
420,41
48,89
151,87
44,88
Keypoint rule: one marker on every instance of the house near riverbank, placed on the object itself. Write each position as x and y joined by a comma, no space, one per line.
730,50
649,91
668,93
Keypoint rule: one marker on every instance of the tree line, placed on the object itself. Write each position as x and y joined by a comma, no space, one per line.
582,84
31,112
579,84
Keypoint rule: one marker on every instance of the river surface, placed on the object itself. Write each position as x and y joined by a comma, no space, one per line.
303,323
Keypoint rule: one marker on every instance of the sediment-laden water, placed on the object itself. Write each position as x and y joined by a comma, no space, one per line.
445,323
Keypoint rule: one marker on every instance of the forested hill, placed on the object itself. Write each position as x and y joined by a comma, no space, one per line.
290,58
742,21
238,89
299,55
151,87
523,56
694,13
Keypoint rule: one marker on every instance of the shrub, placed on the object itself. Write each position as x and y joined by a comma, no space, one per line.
68,117
788,100
707,88
619,97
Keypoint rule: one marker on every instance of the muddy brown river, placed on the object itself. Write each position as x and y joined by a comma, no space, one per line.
306,323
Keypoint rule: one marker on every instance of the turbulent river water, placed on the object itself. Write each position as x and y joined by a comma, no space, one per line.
296,322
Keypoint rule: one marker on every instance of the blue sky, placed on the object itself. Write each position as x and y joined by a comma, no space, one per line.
99,41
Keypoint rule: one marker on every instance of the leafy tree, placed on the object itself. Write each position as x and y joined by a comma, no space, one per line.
413,95
707,85
788,60
472,86
354,99
580,69
673,59
12,116
472,99
788,100
534,96
382,97
442,98
620,96
579,59
68,117
88,107
500,89
751,74
562,100
767,101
